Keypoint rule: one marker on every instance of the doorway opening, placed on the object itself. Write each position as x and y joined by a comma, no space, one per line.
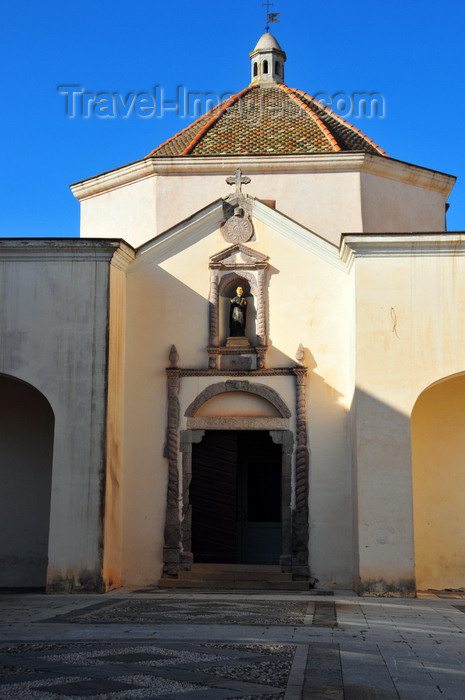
26,453
236,498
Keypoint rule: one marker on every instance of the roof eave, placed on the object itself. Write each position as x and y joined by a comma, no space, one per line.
347,161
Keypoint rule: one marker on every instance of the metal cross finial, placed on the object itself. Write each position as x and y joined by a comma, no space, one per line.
267,5
238,179
270,16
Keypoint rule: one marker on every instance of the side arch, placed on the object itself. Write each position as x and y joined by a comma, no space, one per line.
26,453
438,474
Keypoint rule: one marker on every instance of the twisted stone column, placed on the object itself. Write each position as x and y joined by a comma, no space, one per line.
187,438
213,306
172,525
300,521
261,310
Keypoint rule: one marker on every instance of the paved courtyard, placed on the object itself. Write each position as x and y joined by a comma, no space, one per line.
253,646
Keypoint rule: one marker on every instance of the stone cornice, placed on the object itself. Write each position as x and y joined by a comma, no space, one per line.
123,256
183,234
61,249
254,165
209,218
272,372
384,245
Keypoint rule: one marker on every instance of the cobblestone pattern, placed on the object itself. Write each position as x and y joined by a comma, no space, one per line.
170,612
118,671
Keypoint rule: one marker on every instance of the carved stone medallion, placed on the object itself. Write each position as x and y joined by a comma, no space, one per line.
237,229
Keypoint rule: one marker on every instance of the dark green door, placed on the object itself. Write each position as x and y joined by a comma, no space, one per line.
235,496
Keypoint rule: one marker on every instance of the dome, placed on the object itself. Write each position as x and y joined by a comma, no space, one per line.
267,121
267,42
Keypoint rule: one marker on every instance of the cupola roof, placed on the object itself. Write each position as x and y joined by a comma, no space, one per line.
267,121
267,41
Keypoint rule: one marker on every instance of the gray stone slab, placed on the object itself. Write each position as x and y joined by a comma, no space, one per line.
365,674
325,614
323,677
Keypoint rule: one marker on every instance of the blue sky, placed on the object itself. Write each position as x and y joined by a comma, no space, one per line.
411,52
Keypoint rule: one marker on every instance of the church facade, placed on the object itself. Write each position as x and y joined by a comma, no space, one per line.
253,356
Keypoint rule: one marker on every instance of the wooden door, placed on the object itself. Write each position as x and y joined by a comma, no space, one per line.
213,496
235,495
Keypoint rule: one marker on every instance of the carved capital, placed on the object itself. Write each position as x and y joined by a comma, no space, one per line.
187,437
284,438
301,375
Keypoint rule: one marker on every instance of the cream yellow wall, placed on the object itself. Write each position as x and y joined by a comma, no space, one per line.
409,333
327,203
112,550
438,449
390,205
309,303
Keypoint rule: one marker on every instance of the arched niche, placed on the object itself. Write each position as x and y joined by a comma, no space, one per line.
438,473
227,290
233,267
26,451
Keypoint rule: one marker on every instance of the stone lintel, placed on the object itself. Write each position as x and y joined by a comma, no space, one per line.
237,423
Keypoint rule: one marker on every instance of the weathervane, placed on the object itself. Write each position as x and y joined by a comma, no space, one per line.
270,16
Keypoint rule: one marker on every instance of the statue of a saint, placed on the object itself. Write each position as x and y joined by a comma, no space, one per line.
237,314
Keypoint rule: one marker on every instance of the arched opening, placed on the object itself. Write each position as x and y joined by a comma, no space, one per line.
255,69
26,449
265,66
438,468
277,68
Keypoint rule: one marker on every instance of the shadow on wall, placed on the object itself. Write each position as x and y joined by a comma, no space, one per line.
380,437
26,449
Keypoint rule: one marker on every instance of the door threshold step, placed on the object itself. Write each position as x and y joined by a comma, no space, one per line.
234,585
268,568
234,576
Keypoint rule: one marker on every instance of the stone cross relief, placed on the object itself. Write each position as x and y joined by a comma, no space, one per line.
238,179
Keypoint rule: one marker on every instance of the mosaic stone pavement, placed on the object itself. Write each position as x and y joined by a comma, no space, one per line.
225,647
164,612
120,671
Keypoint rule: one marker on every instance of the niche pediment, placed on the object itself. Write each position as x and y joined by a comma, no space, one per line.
238,256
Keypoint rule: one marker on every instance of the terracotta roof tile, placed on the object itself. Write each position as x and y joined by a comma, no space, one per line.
267,120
